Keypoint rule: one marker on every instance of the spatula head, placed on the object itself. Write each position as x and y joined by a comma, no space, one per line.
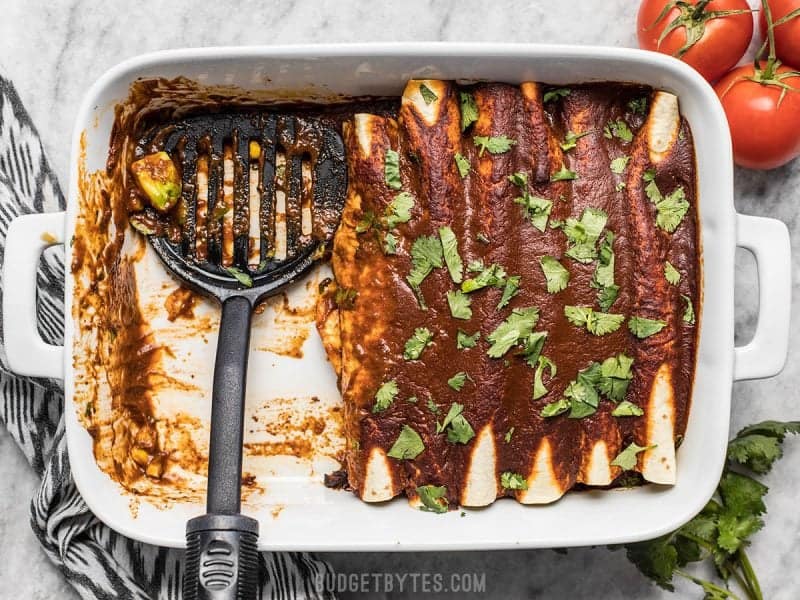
261,197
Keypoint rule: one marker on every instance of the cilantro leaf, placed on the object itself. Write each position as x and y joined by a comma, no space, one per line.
627,409
582,234
671,274
494,145
464,340
458,380
619,164
642,327
450,250
563,174
603,278
432,406
671,209
510,290
407,446
469,110
241,276
459,304
513,481
507,437
391,169
399,209
627,459
757,447
638,106
537,209
459,431
556,408
426,254
366,223
420,340
542,363
582,393
656,559
596,323
571,140
688,313
532,347
517,326
389,243
493,275
519,179
345,298
555,274
428,95
462,164
555,94
433,498
615,374
385,396
618,129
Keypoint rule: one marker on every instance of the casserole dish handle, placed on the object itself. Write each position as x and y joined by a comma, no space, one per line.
768,241
28,236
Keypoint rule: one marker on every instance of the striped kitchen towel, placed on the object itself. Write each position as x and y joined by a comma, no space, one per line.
97,561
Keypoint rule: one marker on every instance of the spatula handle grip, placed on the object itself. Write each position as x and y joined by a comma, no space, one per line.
227,408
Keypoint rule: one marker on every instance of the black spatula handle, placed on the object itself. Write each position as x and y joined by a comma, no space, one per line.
221,546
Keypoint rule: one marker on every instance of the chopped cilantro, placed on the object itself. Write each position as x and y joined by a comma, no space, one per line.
582,393
563,174
427,94
627,459
493,275
542,363
638,106
627,409
516,327
407,446
345,298
433,498
469,110
494,145
670,209
553,409
399,209
389,243
618,129
619,164
459,431
366,223
615,375
241,276
510,290
391,169
519,179
537,209
385,396
688,313
509,434
420,340
642,327
513,481
450,251
458,380
426,254
464,340
555,94
432,406
582,234
532,347
571,140
459,304
462,164
671,274
555,274
596,323
603,278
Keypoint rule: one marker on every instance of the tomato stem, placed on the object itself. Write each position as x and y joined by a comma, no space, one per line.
699,8
769,69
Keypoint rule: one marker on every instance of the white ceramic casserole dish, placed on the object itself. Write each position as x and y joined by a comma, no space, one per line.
322,519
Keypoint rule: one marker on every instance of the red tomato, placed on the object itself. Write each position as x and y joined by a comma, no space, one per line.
720,41
765,133
787,35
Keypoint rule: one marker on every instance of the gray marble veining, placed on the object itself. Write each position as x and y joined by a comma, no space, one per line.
54,50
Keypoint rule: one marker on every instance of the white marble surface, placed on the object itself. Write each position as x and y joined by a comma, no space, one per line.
54,50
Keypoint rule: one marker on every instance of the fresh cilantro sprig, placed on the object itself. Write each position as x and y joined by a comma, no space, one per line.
724,528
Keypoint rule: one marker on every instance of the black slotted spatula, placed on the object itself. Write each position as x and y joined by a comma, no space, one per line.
221,558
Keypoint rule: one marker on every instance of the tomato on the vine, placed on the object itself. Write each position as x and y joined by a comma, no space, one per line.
710,35
763,110
786,17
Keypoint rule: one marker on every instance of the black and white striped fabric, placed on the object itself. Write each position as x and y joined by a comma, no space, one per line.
97,561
